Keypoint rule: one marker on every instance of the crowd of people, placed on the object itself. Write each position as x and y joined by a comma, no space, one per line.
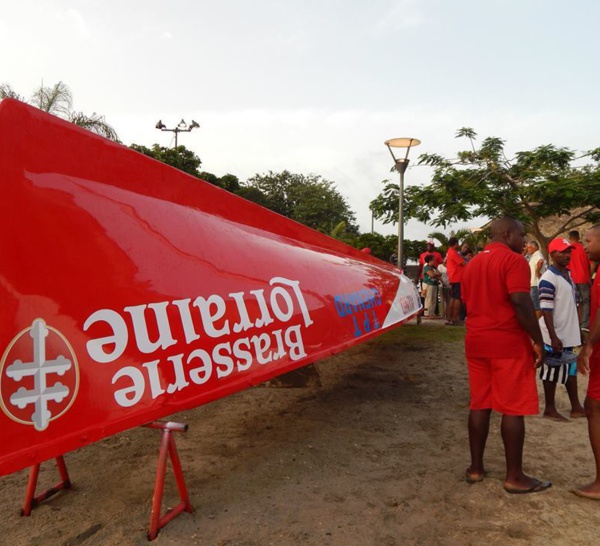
524,315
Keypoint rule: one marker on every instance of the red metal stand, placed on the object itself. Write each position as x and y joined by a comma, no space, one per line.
167,447
31,500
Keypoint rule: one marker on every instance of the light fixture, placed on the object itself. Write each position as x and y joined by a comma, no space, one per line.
401,164
182,127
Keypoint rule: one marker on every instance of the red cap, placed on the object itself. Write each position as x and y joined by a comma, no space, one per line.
559,245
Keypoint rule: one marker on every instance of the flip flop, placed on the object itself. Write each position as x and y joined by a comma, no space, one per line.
537,487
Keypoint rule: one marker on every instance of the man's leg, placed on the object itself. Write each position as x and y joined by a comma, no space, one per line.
577,409
429,300
592,408
550,410
479,428
513,436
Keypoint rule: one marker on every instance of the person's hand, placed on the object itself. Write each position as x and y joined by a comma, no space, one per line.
539,355
557,345
583,360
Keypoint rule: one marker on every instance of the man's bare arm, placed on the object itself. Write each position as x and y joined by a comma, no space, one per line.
523,306
583,360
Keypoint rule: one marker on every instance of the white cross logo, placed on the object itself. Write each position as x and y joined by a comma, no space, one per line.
39,368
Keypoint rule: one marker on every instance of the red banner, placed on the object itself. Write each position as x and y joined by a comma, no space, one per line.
130,290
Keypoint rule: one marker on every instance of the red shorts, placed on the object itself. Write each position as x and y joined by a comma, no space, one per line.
594,382
506,385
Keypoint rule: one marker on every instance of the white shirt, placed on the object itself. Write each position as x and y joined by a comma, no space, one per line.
533,261
558,295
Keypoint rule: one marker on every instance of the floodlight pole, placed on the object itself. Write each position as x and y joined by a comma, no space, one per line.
182,127
401,164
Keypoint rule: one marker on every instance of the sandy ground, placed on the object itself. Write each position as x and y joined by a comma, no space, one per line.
375,455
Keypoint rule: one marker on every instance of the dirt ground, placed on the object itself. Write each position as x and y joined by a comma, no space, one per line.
375,455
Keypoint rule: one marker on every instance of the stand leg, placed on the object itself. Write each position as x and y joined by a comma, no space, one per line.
31,500
167,448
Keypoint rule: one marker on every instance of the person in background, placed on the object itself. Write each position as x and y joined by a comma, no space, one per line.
537,267
501,359
581,274
588,362
429,251
431,281
455,264
444,290
560,330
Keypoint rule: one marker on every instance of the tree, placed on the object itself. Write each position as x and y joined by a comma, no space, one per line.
308,199
58,100
463,235
180,157
533,186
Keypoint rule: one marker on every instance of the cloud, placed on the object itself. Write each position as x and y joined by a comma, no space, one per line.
403,14
74,19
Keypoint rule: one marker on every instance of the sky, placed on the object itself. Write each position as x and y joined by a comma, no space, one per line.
317,86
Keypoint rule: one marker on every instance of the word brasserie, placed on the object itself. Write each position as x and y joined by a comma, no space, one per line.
210,317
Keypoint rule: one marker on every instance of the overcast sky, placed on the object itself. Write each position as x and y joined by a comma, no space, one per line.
317,86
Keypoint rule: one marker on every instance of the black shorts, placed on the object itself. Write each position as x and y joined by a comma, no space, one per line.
455,290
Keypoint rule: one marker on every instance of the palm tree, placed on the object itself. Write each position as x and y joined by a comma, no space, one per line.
58,100
464,235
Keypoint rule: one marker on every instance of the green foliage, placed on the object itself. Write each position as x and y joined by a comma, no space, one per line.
253,194
58,100
180,157
381,246
482,181
308,199
475,240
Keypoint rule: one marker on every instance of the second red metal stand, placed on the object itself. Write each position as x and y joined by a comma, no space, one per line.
167,448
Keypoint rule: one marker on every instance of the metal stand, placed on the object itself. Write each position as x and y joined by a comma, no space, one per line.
167,447
31,500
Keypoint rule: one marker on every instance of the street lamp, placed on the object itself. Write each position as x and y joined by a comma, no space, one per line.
182,127
401,165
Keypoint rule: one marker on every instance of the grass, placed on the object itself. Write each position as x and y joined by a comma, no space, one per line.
415,332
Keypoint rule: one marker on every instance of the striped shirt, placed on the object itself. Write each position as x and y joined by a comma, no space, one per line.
558,295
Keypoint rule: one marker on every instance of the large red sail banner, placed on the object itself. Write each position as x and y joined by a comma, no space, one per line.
130,290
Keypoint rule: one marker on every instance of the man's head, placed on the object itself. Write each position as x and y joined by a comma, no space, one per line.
592,243
560,252
508,231
574,236
430,246
531,247
453,242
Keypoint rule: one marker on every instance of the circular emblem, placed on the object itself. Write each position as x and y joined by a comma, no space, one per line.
39,376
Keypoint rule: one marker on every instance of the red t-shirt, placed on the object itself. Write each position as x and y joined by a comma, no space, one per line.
493,330
580,265
594,306
455,264
438,260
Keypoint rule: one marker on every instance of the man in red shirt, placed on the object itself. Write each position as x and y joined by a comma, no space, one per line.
501,359
438,259
580,273
455,264
589,362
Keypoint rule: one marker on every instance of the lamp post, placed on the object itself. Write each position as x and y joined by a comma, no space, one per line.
182,127
401,165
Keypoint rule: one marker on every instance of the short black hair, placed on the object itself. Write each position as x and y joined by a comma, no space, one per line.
429,257
452,241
